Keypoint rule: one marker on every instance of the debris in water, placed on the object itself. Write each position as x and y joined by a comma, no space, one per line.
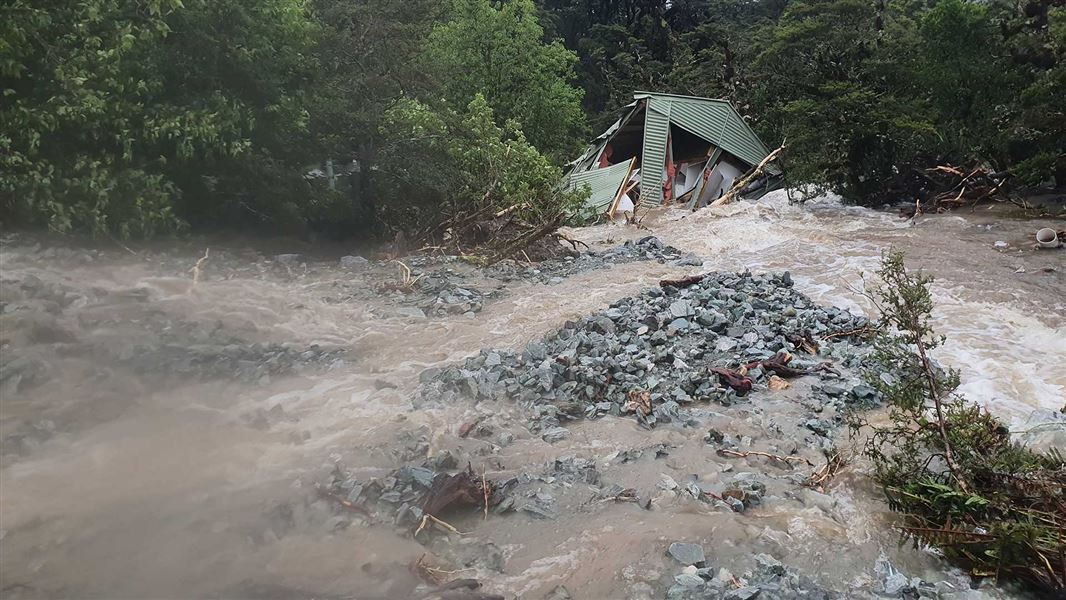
834,462
776,383
681,283
450,491
784,459
740,383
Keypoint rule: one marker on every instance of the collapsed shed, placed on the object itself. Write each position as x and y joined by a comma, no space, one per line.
667,148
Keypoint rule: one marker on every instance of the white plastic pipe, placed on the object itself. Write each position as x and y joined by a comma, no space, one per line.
1047,238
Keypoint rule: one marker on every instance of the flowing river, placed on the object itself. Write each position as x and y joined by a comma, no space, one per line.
133,485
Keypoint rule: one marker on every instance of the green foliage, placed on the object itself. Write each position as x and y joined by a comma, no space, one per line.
866,93
833,91
615,63
961,62
72,117
1036,134
113,111
139,118
496,50
450,163
951,468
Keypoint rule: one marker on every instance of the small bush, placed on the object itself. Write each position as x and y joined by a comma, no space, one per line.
444,166
989,504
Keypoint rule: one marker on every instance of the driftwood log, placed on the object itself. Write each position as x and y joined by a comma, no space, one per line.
682,282
464,488
739,185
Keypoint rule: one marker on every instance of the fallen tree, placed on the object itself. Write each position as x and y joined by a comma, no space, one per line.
461,184
947,187
989,504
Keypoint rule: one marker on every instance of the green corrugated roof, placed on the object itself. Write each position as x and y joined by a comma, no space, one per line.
653,156
588,159
713,120
604,184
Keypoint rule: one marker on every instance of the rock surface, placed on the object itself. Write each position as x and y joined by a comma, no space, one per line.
637,358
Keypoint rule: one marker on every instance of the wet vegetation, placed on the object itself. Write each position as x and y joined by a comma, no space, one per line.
988,503
386,117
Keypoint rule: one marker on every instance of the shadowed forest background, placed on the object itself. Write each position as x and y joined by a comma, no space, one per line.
142,118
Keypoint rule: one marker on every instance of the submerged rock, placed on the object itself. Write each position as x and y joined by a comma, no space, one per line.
555,434
687,554
354,263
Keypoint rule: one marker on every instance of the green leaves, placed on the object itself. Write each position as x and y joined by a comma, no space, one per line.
987,503
113,108
462,162
497,51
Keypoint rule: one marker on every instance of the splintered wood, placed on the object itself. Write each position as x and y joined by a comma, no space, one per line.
197,269
638,401
743,182
834,462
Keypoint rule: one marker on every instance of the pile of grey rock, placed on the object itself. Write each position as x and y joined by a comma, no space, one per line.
698,580
769,578
446,294
663,342
555,270
445,286
398,494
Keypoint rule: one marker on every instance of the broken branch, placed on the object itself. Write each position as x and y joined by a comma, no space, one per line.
426,518
725,452
739,186
195,270
682,282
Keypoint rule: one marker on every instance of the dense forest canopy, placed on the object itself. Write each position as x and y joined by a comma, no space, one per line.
141,117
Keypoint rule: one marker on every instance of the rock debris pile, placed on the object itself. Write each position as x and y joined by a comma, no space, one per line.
555,270
446,293
769,578
653,354
437,287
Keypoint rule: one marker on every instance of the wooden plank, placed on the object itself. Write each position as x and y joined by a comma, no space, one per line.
622,189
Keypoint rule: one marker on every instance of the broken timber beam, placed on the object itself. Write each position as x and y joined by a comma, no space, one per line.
738,186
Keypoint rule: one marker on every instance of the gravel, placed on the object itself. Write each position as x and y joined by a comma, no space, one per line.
554,271
664,343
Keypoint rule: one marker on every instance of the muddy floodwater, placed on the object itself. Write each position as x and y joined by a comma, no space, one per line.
164,427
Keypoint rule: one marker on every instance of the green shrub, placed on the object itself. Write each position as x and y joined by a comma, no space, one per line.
443,164
989,504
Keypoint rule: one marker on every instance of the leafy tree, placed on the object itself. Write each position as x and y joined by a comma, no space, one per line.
449,163
247,67
73,120
622,46
826,89
615,63
114,111
718,43
366,58
961,65
1035,136
496,50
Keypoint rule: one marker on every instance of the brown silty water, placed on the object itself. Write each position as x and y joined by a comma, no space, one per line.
155,485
